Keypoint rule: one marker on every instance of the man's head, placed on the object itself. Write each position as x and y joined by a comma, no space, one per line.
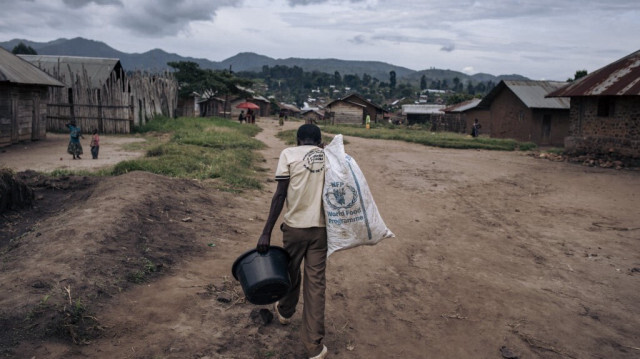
309,135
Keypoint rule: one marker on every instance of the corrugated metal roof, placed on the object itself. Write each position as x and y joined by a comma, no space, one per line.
289,107
531,93
346,99
98,69
15,70
463,106
620,78
421,109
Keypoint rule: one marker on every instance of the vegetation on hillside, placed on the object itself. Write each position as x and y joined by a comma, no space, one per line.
294,85
192,78
22,49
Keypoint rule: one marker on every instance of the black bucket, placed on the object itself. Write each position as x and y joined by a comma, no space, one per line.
264,276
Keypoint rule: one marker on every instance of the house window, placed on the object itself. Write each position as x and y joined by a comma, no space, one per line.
605,106
521,116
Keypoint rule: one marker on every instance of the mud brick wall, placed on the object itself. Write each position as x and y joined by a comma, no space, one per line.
619,132
511,118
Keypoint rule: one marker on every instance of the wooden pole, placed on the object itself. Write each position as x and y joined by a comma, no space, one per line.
100,114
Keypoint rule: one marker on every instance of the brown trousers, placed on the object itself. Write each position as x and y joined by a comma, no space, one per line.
309,244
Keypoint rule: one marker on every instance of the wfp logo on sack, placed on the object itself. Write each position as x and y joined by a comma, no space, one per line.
342,197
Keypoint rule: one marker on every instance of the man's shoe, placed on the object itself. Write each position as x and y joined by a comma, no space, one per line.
323,353
281,319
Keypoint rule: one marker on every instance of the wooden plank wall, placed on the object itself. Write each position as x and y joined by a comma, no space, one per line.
123,101
22,113
347,114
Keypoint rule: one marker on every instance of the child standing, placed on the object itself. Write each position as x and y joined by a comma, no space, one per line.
95,144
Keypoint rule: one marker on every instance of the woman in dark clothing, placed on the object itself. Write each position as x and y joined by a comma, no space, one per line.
74,148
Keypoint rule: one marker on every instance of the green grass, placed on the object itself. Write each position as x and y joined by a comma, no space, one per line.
289,137
436,139
201,148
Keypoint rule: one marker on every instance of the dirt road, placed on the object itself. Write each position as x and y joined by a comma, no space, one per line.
493,249
51,153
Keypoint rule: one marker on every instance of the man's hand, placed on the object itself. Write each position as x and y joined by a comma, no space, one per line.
277,202
263,243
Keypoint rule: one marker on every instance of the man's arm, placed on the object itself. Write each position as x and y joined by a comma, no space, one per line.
277,203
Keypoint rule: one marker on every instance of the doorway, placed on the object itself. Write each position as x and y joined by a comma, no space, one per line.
546,129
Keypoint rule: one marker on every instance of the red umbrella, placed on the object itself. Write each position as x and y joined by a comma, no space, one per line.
248,105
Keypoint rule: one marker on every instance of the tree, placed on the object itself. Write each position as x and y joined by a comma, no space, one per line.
457,98
366,79
470,89
456,84
352,81
423,82
392,82
578,74
22,49
191,78
337,79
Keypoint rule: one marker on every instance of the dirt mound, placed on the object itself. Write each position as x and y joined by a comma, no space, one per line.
88,239
14,193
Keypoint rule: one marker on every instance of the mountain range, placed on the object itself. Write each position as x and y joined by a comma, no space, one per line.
156,60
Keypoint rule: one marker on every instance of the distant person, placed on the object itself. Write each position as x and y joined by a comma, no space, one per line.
241,116
367,122
251,116
74,148
475,129
300,177
95,144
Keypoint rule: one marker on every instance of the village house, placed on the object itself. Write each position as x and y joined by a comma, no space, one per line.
287,110
189,106
98,70
352,109
263,103
313,116
23,99
461,116
605,109
422,114
98,94
519,110
209,106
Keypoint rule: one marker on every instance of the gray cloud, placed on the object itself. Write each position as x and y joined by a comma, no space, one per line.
312,2
82,3
358,40
168,17
448,48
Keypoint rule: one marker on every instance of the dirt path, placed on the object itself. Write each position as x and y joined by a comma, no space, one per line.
493,249
51,154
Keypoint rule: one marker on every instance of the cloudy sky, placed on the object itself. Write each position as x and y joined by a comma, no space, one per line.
540,39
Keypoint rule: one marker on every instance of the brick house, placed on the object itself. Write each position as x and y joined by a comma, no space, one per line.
519,110
605,109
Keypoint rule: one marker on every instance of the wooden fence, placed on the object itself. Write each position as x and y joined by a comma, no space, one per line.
106,119
120,103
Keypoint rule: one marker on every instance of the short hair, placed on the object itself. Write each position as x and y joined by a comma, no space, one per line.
309,132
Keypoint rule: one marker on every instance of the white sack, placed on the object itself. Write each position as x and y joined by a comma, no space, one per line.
350,212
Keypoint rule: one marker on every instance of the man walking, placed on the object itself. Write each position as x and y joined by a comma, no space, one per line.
300,177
